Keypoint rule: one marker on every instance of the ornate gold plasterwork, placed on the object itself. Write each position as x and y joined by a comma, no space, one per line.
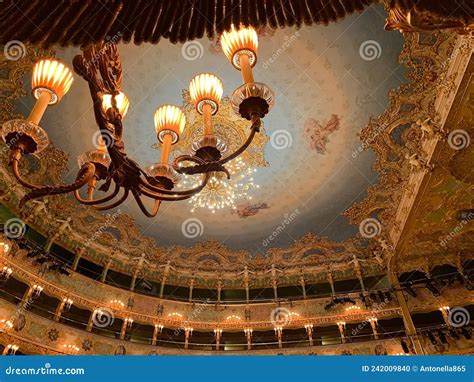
228,127
410,141
426,64
116,236
36,342
119,239
53,335
89,296
442,224
418,20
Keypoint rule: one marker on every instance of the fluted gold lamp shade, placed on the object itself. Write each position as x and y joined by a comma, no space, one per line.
240,47
169,125
52,76
206,89
206,92
51,80
169,119
121,101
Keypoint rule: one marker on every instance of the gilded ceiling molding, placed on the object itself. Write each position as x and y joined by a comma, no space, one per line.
228,126
440,109
425,21
425,57
441,226
406,136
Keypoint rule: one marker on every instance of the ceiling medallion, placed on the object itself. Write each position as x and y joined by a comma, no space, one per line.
101,67
220,192
228,127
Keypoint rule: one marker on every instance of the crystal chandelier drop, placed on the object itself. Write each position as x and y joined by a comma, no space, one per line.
221,192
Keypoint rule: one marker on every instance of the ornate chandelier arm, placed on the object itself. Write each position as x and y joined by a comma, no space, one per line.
157,190
157,196
191,191
155,210
15,156
218,165
114,204
97,201
85,174
254,128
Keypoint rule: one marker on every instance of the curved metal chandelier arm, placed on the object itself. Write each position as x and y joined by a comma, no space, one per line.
155,210
93,202
85,174
254,128
190,192
157,196
114,204
15,156
217,165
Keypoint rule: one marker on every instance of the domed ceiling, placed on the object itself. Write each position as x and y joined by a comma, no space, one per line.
328,81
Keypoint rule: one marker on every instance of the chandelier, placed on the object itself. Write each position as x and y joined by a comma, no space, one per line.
100,66
221,192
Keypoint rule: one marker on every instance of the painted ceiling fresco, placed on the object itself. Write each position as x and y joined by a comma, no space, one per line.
328,81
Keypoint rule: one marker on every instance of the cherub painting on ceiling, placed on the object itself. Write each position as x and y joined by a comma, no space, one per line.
246,210
317,133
